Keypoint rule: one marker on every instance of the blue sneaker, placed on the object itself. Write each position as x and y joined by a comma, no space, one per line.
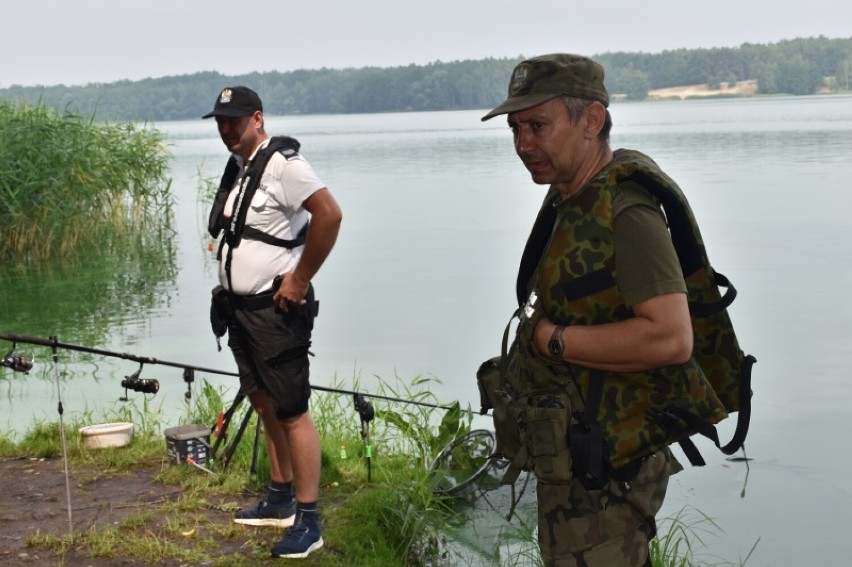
300,540
267,514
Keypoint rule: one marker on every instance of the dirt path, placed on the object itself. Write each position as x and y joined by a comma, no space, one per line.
33,501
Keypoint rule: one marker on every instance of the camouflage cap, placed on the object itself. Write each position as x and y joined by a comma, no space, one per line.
542,78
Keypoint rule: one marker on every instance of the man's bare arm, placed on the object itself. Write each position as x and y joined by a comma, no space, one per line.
659,334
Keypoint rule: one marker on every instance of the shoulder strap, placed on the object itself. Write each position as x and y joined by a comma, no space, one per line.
216,220
536,242
251,181
688,248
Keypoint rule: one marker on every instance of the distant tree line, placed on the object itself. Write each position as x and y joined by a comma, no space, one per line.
798,67
795,67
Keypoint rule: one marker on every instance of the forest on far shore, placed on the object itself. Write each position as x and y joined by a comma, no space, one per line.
799,66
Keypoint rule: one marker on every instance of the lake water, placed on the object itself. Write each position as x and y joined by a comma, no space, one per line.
436,211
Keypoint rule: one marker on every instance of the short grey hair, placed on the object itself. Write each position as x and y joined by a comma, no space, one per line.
577,106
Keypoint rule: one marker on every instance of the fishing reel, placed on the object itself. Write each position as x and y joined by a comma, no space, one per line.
16,362
137,384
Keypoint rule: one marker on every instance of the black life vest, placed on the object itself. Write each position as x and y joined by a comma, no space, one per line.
235,229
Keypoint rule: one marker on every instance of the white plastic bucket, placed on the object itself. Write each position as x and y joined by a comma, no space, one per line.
103,435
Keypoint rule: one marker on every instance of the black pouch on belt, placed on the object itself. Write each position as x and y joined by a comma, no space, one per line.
589,454
220,313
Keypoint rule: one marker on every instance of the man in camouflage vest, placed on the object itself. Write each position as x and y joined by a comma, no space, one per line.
606,301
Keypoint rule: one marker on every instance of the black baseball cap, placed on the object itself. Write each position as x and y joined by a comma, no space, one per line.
235,102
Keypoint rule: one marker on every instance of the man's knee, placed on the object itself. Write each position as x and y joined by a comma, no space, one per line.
292,422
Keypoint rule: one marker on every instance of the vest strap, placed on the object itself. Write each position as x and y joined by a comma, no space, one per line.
674,418
254,234
707,309
539,237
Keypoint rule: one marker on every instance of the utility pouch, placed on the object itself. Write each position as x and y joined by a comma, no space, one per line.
548,441
220,313
488,381
508,422
531,403
591,464
507,412
589,455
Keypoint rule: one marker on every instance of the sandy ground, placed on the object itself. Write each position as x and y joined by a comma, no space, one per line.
741,88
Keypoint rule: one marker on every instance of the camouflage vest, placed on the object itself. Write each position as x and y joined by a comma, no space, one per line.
617,418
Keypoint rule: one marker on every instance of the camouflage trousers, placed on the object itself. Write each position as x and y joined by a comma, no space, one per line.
603,528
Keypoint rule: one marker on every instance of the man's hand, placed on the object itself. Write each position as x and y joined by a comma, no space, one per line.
291,290
322,234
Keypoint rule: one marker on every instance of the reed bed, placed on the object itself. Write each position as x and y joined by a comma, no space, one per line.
69,184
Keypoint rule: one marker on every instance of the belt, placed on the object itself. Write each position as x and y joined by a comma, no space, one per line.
251,302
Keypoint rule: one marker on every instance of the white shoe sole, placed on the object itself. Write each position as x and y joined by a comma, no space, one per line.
316,545
267,522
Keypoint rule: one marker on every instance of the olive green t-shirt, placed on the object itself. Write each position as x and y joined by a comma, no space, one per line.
646,263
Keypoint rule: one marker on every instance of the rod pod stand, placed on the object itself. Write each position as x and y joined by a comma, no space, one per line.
61,411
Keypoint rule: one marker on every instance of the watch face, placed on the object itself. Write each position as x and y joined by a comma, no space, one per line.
554,347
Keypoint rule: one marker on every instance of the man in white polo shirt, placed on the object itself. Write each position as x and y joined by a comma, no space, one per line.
267,257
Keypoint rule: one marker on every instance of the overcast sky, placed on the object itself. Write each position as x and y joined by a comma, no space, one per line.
49,42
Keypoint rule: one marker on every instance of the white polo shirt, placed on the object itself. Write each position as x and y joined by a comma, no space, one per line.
276,209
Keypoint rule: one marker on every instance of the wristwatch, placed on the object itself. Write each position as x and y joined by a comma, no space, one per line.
554,345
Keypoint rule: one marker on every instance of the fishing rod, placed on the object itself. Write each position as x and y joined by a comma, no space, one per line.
151,386
363,406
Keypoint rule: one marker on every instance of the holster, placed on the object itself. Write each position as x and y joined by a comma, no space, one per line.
221,313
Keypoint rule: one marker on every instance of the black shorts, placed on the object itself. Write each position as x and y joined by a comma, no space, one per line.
270,347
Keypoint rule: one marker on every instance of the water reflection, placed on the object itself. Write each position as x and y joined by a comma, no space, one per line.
90,300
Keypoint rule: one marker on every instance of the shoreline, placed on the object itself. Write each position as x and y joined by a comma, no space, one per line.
738,89
741,89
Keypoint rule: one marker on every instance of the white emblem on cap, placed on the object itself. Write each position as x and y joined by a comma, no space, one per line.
225,97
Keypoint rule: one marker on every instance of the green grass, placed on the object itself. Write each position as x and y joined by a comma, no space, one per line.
70,184
682,538
385,515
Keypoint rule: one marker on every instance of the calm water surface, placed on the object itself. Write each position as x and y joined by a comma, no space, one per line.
437,209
